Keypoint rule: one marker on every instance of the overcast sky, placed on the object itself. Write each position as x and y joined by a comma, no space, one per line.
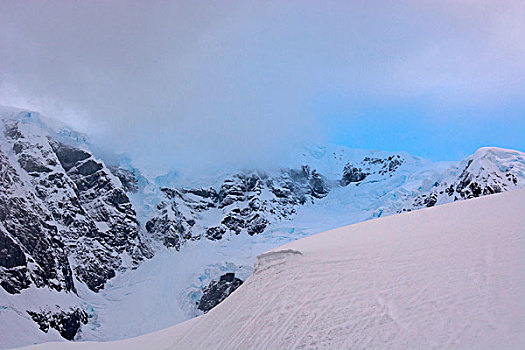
193,83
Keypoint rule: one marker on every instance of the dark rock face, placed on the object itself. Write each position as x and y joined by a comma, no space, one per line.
70,205
472,186
28,236
234,221
299,185
215,233
32,165
432,200
368,166
241,200
67,323
249,202
70,156
318,186
61,210
127,178
256,224
13,263
217,291
393,162
386,165
171,226
352,174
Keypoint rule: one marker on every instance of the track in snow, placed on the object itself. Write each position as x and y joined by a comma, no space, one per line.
451,276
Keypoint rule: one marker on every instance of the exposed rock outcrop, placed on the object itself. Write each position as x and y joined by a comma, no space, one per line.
67,323
217,291
58,201
488,171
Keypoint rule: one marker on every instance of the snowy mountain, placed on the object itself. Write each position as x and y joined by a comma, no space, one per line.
445,277
66,223
490,170
96,251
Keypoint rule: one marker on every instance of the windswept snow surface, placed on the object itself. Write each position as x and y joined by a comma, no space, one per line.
451,276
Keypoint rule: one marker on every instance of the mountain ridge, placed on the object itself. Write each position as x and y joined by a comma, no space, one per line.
107,231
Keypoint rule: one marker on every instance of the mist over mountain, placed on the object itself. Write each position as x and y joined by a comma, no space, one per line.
239,84
154,156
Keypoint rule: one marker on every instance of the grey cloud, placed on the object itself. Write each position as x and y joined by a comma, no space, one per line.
192,84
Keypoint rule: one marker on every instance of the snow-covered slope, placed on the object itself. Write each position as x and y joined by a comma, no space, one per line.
452,276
